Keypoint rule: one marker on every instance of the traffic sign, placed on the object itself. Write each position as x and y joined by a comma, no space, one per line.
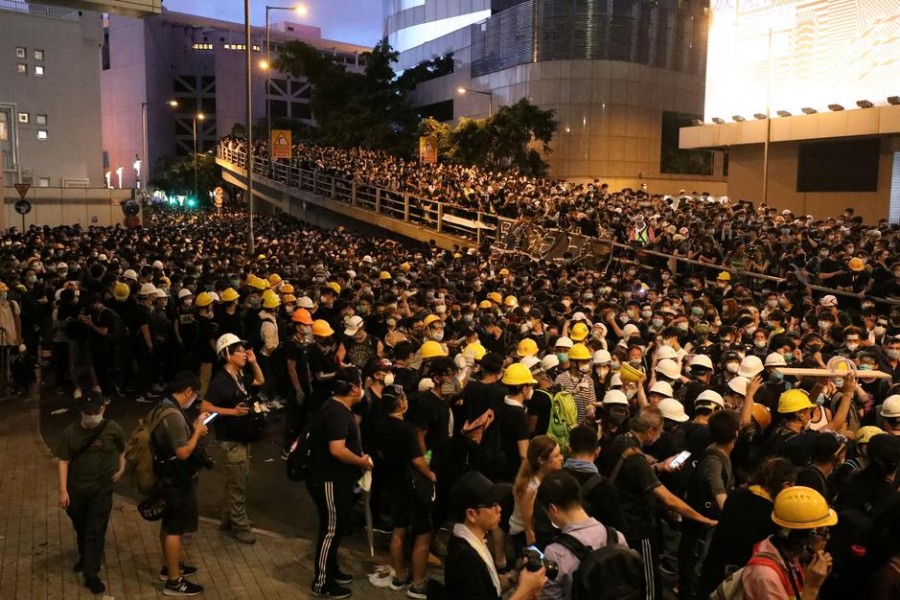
23,207
22,188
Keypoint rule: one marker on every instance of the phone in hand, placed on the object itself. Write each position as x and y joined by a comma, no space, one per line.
210,418
679,459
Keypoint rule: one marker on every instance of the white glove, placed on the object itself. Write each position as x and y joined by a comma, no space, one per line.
460,361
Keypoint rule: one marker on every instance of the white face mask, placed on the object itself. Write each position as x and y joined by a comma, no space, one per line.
732,367
389,379
190,402
91,421
437,336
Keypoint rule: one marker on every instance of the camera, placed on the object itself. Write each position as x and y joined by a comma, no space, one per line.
534,560
200,458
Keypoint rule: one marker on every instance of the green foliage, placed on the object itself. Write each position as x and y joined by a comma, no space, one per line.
440,131
507,140
425,71
175,175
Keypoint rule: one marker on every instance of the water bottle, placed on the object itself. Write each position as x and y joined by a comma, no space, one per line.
428,458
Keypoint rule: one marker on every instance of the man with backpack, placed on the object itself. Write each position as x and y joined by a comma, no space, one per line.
176,461
594,559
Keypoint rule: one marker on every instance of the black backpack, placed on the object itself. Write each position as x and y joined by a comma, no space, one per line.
612,572
299,461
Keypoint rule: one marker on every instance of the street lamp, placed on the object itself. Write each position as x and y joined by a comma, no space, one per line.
266,65
197,117
462,91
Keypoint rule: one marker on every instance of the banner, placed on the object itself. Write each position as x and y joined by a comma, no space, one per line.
281,143
552,244
428,152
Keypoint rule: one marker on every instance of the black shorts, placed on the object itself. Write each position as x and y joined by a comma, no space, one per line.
408,512
181,515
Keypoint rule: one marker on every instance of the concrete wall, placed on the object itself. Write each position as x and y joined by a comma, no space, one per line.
68,93
745,180
59,206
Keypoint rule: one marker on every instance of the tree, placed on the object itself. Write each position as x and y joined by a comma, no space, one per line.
430,127
175,176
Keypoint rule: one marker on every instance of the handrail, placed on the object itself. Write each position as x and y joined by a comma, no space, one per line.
444,217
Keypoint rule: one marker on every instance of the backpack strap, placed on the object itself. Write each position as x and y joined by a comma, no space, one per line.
590,485
573,545
612,536
157,416
628,453
768,559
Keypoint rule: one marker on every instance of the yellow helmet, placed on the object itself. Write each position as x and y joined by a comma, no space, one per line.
793,401
495,297
476,350
257,283
511,302
579,352
518,374
432,349
579,332
274,279
272,301
429,320
121,291
800,507
384,275
629,374
504,272
203,299
288,298
527,347
335,286
865,434
405,267
269,293
229,295
724,276
485,304
457,255
287,289
321,328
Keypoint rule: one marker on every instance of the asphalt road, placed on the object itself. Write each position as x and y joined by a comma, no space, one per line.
274,502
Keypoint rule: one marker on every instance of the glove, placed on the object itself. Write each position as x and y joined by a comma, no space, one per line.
460,361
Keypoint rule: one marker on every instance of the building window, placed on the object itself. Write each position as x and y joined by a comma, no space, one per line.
38,54
40,119
43,182
39,70
202,47
42,134
24,118
22,69
20,52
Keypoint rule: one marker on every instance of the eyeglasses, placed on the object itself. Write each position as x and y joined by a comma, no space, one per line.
239,350
491,505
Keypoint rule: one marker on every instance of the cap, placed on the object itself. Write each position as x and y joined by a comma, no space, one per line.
474,490
828,300
92,403
354,324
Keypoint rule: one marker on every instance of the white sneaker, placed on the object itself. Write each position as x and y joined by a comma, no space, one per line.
77,394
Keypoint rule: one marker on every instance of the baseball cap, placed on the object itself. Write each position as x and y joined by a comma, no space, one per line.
92,403
474,490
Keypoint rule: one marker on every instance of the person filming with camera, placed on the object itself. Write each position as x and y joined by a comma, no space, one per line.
469,570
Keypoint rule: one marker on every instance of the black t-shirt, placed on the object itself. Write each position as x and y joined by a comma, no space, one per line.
635,482
512,425
334,421
371,412
207,333
298,352
539,406
602,502
478,397
432,415
230,323
408,379
396,447
224,391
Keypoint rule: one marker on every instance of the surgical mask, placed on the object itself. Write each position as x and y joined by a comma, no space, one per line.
892,353
776,377
31,278
658,322
838,382
825,325
437,336
585,367
696,311
623,318
255,302
852,345
646,313
188,302
468,317
389,379
614,365
91,421
563,357
760,343
772,303
732,367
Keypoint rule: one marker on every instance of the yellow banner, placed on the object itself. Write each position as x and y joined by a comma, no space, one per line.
281,143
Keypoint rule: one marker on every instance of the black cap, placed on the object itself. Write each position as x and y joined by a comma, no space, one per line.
474,490
92,403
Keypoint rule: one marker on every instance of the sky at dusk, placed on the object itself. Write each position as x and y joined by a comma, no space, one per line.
354,21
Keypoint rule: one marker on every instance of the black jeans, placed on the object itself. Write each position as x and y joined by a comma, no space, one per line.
90,516
334,504
691,554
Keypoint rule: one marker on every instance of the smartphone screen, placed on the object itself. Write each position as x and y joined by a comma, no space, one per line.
679,460
210,418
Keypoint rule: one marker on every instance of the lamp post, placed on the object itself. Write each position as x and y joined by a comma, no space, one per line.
144,131
267,64
462,91
197,117
251,242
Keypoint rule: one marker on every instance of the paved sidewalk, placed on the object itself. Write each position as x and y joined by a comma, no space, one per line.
37,543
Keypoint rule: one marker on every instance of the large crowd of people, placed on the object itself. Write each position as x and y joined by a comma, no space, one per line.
510,411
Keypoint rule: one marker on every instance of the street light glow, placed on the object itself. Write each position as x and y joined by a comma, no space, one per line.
460,90
201,116
173,103
301,10
264,64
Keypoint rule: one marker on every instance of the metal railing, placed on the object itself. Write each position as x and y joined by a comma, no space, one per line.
471,225
40,10
462,222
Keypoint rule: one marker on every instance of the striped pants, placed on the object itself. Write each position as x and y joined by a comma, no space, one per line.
649,551
334,504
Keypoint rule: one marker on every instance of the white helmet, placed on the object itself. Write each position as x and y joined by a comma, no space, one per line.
147,289
615,381
662,388
708,397
549,362
701,360
664,352
531,361
184,293
227,341
130,274
669,368
775,360
564,342
891,407
738,385
750,367
601,356
672,410
615,397
157,264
